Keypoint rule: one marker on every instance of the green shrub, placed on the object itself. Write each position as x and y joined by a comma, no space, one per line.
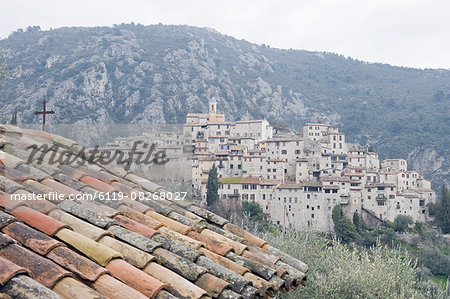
402,222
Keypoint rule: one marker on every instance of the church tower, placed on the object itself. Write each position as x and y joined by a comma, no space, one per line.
213,110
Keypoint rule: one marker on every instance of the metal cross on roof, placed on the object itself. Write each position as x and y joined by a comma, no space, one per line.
44,112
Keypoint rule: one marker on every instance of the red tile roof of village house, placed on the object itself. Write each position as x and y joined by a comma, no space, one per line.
120,248
270,182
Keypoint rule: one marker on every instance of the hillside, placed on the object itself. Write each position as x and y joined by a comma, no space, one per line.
152,75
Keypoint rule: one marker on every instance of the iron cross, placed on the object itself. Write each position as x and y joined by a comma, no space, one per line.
44,112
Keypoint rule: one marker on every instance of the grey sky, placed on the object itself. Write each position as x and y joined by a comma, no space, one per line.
413,33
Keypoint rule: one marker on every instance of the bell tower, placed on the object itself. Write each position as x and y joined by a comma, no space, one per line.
212,110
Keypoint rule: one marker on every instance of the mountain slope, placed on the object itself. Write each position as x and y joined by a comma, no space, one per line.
97,77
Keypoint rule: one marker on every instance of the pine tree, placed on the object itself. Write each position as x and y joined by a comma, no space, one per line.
14,118
212,187
356,220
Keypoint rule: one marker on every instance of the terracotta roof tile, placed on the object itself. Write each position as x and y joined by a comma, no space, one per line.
213,285
237,282
135,278
261,256
10,161
97,184
176,284
43,206
146,184
211,244
2,198
68,181
132,255
136,205
139,217
158,206
135,239
31,238
8,270
33,172
101,254
6,219
208,215
41,269
63,141
78,225
178,264
60,188
115,289
9,186
5,240
101,175
24,287
225,233
179,237
258,268
71,172
71,288
76,263
170,223
37,133
87,214
135,226
101,209
244,234
177,248
266,289
241,270
237,247
12,174
35,219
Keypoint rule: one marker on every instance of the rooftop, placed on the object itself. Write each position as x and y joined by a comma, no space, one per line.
98,248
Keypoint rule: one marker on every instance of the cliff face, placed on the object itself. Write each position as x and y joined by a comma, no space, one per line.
96,78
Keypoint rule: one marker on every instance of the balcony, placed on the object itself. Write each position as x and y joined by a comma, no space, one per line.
381,197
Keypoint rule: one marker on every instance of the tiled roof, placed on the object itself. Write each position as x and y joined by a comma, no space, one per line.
97,248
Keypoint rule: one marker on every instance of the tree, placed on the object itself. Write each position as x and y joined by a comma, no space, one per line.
402,222
442,210
336,213
253,209
14,118
389,237
356,220
212,187
345,230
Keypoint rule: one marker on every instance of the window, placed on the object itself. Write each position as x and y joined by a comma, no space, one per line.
308,196
284,152
312,215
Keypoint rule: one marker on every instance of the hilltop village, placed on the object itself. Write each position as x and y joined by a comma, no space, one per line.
297,180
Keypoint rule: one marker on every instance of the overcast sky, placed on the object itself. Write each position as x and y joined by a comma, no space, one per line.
414,33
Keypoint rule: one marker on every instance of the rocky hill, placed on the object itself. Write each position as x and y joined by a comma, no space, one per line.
102,77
